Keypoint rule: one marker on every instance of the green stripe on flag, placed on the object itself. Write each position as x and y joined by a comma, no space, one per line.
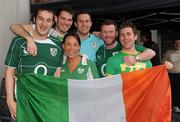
41,99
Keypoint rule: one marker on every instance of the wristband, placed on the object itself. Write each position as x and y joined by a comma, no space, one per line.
137,58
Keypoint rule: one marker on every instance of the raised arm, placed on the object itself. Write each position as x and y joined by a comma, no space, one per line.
24,31
10,81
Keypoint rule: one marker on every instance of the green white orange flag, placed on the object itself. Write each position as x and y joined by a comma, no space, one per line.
141,96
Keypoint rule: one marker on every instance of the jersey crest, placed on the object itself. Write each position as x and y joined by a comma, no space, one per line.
93,44
80,70
53,51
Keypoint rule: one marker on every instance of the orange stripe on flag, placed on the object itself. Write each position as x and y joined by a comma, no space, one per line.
147,95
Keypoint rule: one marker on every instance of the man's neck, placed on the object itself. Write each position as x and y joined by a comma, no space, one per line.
37,36
60,32
130,50
82,36
111,46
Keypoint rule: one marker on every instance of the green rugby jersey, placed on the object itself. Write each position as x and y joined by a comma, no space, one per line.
85,70
116,65
103,54
47,60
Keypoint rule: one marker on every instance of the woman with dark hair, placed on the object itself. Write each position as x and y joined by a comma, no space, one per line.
75,65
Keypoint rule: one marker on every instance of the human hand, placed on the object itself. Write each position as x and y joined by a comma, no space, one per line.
12,108
31,46
130,60
168,65
97,33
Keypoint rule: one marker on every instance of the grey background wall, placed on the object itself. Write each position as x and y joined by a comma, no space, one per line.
11,11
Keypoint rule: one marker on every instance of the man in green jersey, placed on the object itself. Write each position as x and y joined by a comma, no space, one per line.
18,59
63,21
128,36
111,46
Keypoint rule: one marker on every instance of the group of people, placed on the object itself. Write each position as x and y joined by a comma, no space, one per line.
41,49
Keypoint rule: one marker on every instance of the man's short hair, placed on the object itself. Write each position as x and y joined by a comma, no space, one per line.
82,12
129,24
109,22
43,9
66,9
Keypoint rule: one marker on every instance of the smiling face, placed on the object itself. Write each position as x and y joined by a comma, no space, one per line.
108,33
83,23
71,46
43,23
64,21
127,38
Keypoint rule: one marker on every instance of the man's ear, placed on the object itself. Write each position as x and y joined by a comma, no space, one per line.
136,37
75,24
116,34
55,18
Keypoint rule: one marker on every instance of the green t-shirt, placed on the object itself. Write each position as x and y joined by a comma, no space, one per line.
103,54
116,65
47,60
85,70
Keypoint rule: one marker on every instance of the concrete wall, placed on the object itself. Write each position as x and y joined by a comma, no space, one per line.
11,11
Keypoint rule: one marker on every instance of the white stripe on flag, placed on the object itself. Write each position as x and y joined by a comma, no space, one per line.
98,100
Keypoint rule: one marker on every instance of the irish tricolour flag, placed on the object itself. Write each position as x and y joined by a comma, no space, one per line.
141,96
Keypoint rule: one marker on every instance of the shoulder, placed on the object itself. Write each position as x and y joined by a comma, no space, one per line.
92,36
91,63
100,50
54,39
169,52
52,30
114,57
86,61
18,40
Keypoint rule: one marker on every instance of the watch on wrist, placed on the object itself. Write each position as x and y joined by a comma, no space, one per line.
137,58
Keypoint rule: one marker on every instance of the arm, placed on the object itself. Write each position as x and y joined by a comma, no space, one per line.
97,33
24,31
9,81
145,55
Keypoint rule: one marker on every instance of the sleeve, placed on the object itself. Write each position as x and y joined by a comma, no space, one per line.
12,55
109,68
140,48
